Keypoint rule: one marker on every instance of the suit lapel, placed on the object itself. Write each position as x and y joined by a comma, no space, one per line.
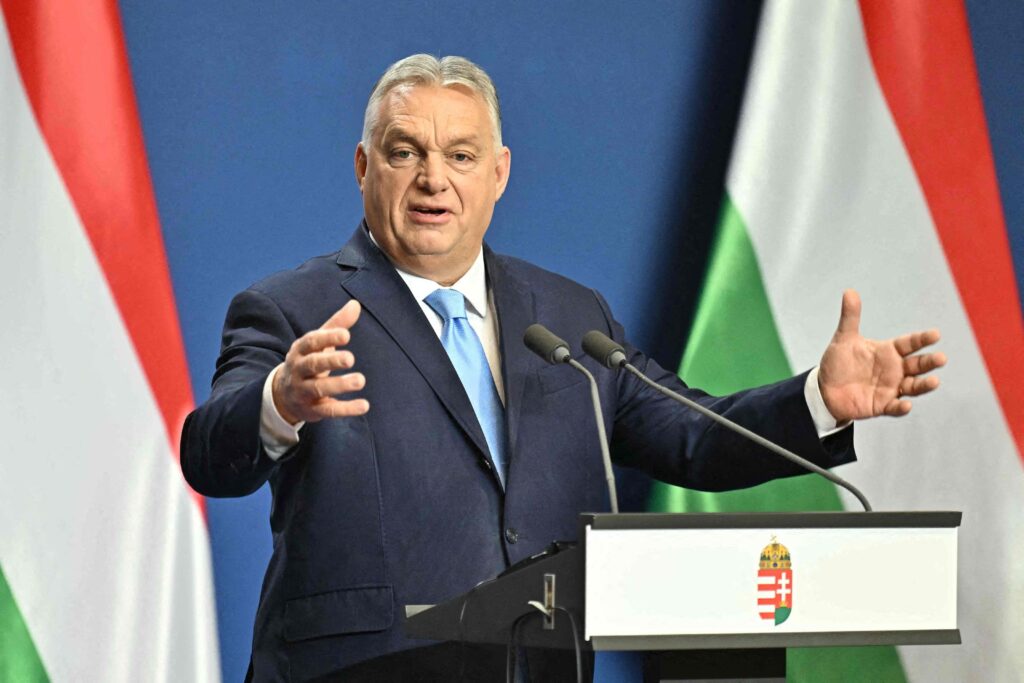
386,297
515,308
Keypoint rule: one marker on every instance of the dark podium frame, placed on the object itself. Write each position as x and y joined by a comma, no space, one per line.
485,613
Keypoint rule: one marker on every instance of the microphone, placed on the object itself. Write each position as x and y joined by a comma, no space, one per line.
546,344
611,354
604,350
554,350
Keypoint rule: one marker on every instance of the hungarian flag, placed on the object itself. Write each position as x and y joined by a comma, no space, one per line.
104,552
863,160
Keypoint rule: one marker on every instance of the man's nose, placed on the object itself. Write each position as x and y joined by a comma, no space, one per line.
433,177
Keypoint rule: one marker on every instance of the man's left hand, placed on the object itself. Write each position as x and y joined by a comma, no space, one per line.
861,377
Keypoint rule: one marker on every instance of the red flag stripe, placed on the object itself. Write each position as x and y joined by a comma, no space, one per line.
74,67
922,54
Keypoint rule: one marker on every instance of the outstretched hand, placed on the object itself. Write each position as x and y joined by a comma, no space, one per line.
862,378
304,388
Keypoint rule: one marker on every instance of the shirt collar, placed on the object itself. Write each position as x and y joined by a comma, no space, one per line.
472,285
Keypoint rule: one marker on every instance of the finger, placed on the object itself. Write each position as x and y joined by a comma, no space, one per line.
323,387
332,407
321,339
915,341
897,408
925,362
916,386
849,317
316,364
346,316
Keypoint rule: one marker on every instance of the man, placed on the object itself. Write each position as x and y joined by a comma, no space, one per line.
413,446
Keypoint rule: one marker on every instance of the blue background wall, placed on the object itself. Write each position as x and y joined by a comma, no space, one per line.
619,115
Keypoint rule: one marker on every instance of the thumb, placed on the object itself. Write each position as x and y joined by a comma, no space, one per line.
346,316
849,318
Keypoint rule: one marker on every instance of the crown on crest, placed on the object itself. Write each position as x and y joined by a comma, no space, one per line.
775,556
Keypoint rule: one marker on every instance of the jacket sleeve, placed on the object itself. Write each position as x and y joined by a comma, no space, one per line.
221,451
679,446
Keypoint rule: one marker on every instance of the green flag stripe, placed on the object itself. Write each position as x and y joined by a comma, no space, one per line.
19,660
734,345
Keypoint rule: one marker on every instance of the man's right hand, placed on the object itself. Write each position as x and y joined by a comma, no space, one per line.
304,390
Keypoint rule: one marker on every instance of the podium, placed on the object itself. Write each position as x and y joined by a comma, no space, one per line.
721,596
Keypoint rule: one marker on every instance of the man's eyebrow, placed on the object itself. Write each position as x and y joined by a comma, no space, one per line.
393,135
472,140
398,135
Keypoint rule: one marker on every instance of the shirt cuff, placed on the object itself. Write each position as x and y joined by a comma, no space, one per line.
824,423
277,435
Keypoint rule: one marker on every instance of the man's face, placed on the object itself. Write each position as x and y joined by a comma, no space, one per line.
431,178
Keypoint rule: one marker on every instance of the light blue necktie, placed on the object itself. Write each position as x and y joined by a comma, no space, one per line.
467,355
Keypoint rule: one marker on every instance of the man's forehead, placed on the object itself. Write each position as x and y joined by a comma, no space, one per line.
415,91
454,111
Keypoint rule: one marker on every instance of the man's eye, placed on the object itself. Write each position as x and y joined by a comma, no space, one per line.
461,157
402,154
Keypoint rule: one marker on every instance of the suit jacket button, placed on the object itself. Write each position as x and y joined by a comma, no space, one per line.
511,535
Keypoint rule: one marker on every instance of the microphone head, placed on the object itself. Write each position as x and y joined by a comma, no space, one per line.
604,350
546,344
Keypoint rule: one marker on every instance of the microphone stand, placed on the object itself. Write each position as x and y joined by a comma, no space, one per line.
756,438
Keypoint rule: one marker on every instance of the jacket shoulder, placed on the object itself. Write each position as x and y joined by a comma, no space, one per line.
543,281
313,273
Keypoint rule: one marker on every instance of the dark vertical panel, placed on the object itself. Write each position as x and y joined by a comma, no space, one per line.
997,31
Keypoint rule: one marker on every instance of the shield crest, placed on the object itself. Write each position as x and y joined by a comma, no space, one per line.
775,583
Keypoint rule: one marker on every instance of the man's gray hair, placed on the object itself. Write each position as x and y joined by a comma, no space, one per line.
429,70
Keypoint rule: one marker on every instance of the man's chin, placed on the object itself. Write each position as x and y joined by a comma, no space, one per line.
427,243
440,262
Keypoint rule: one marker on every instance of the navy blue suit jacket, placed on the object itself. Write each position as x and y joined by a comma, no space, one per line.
402,505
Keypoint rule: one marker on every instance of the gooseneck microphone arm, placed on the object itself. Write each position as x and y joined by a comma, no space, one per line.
555,350
595,399
610,354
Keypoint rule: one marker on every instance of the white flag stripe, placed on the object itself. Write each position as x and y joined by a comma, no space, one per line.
845,210
104,550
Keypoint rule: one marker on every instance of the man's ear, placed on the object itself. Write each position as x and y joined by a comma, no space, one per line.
501,170
360,164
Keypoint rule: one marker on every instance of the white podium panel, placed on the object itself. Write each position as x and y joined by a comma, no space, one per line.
682,581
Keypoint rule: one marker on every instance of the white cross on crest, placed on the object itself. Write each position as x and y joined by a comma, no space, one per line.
783,590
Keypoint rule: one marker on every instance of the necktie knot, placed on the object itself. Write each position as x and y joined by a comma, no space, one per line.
450,304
